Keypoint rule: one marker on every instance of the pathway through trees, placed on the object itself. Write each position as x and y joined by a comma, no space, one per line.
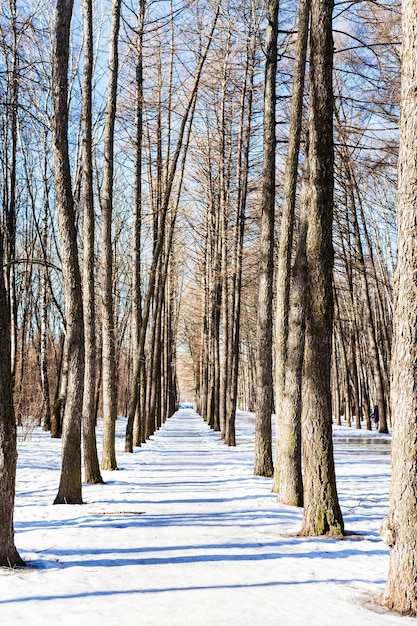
185,534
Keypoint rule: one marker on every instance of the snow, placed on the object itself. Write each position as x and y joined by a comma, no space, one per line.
183,534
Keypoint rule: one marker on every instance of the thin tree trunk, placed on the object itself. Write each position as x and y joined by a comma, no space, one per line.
108,461
350,352
10,213
365,400
203,365
344,368
46,402
224,210
134,434
335,385
61,391
92,473
263,465
9,556
242,176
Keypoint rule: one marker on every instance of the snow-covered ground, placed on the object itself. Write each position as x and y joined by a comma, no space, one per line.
185,535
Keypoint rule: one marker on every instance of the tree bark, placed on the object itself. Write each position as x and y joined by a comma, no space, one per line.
108,461
91,464
46,401
399,529
288,480
242,178
70,483
10,204
135,427
322,515
9,556
61,390
263,465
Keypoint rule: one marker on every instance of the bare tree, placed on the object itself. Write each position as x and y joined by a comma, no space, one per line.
70,482
159,244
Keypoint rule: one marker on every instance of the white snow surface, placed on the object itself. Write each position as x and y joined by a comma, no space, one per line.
184,534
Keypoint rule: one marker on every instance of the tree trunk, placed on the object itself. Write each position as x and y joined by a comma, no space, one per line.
70,482
224,216
10,205
399,529
9,556
322,515
108,461
61,390
134,427
242,178
91,464
288,479
46,401
263,465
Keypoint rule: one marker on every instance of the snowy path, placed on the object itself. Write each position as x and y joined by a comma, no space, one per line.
185,535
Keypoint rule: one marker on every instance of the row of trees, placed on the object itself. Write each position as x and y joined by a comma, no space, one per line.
218,220
183,145
137,309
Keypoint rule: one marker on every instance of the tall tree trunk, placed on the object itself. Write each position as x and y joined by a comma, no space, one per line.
399,529
242,175
214,338
263,465
224,212
204,332
322,515
344,365
91,464
46,402
108,461
9,556
10,213
134,434
61,390
70,483
350,353
287,480
172,333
